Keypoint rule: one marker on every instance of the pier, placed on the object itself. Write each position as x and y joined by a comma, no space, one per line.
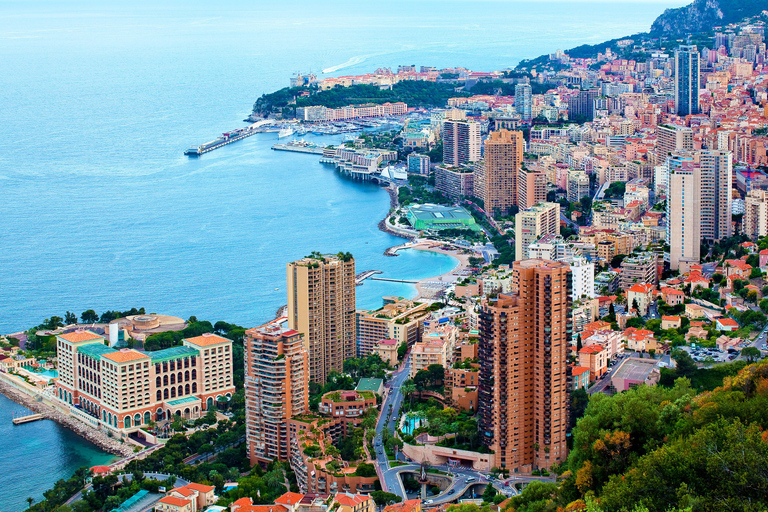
27,419
393,280
227,138
313,150
362,276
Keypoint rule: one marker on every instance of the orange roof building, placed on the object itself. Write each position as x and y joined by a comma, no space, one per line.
184,380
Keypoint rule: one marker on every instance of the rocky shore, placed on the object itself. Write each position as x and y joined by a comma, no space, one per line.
98,438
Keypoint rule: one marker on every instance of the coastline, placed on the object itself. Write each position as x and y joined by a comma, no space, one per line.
429,287
25,399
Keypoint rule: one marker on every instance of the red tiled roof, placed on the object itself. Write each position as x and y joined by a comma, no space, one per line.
207,339
290,498
351,500
77,336
176,502
200,487
579,370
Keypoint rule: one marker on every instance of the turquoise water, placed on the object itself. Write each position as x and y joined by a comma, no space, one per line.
51,374
37,454
100,209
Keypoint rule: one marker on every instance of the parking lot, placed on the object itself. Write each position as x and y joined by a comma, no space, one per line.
700,354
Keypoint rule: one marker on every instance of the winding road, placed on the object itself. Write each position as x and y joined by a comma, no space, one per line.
462,478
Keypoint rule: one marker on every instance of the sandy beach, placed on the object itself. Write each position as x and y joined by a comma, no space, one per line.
429,287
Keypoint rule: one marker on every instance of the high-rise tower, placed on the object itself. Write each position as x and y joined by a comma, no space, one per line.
687,80
503,160
523,399
321,306
276,389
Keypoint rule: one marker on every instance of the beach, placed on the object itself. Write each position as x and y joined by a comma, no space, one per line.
430,287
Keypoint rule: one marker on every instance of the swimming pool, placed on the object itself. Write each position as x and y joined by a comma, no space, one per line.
51,374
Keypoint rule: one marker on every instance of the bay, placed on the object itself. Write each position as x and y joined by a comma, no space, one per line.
100,209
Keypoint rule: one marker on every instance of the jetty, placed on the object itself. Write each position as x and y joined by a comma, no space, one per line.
362,276
227,138
393,280
296,148
27,419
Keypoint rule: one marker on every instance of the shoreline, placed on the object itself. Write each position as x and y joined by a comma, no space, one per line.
90,434
428,287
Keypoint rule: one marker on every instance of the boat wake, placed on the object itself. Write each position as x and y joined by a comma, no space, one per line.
350,62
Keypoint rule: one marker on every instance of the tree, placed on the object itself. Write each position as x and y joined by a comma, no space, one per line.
70,318
717,277
686,367
30,500
401,350
89,316
365,470
382,498
489,493
751,353
616,260
408,389
752,296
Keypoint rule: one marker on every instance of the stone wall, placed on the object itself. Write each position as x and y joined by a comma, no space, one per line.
32,399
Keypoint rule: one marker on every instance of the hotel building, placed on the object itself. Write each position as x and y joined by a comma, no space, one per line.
461,142
123,389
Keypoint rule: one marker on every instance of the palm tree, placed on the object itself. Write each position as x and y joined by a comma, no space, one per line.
408,389
30,501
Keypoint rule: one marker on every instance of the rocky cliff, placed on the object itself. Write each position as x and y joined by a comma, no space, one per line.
703,15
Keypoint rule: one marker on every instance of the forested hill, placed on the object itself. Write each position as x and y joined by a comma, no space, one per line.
703,15
661,449
413,92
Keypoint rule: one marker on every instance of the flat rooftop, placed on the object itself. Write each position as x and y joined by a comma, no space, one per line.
435,212
635,369
369,385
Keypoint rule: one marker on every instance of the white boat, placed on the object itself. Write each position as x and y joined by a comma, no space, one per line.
285,132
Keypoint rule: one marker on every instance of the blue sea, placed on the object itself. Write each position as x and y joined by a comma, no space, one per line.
99,208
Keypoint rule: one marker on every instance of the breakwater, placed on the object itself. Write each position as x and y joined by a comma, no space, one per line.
383,224
98,438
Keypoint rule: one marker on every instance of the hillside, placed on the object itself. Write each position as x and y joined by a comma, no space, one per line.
414,93
662,449
702,15
696,19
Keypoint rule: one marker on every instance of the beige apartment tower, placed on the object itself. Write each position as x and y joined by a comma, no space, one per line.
533,223
523,399
684,217
276,389
716,184
503,161
321,306
756,214
531,188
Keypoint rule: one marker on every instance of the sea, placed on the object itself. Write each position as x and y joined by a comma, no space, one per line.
100,209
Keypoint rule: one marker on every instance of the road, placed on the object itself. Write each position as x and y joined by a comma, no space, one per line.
462,478
394,400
